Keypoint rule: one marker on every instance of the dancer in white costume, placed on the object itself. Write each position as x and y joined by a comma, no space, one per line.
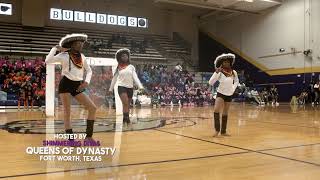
228,79
126,76
72,83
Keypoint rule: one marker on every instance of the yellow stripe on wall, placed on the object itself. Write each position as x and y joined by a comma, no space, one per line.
286,71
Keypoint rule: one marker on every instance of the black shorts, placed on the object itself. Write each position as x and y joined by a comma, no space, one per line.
68,86
128,91
224,97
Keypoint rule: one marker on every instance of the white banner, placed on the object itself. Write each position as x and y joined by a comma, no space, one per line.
89,17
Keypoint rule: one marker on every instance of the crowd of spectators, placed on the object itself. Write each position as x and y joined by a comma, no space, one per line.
309,94
22,81
173,87
259,96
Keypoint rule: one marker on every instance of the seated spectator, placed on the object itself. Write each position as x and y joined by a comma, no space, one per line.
256,97
3,95
302,98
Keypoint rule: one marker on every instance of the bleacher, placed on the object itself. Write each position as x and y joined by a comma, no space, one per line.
18,40
171,46
38,41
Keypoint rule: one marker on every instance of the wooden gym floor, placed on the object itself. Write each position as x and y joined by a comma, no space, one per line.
266,143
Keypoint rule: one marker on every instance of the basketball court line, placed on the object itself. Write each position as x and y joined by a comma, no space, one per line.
253,151
124,165
288,147
283,124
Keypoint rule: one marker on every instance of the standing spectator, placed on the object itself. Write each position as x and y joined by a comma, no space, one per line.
29,95
21,98
2,76
189,80
316,89
274,95
242,77
178,67
39,97
265,95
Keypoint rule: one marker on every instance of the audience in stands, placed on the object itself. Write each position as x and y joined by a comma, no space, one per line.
259,97
22,83
20,79
177,87
174,87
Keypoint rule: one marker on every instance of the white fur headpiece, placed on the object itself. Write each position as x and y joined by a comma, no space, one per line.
223,57
121,51
65,42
